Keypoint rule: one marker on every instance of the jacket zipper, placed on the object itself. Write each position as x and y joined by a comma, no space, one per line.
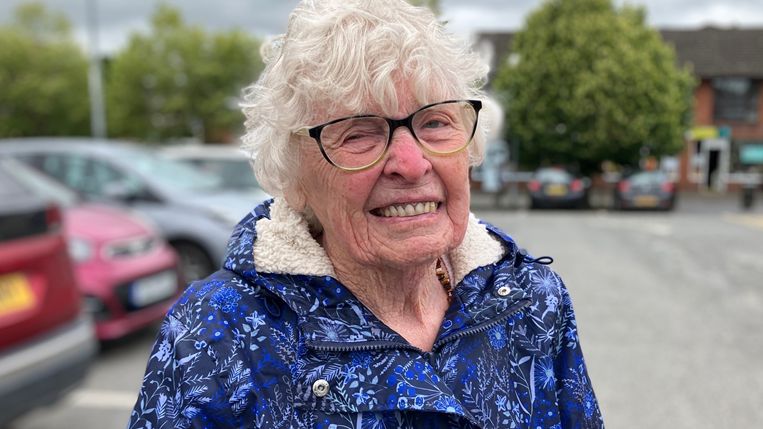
513,310
385,345
365,347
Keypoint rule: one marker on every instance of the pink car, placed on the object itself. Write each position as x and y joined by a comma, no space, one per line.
126,272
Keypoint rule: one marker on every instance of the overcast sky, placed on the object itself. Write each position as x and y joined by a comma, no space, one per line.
119,18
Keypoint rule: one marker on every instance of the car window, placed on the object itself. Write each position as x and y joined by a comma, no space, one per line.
171,174
108,177
553,176
234,173
648,178
90,177
67,169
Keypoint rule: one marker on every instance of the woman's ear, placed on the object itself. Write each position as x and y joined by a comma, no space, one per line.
294,192
295,197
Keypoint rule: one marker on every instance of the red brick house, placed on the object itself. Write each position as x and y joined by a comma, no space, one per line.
728,101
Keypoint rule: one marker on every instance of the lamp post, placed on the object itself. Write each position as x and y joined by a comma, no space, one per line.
95,78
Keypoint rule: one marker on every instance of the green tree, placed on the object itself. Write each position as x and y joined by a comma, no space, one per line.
43,76
180,81
432,4
587,82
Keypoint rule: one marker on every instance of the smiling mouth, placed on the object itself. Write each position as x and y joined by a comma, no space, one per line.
406,210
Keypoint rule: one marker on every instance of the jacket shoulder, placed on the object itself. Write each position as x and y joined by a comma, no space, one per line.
231,309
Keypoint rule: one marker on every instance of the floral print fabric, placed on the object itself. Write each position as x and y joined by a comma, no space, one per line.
244,349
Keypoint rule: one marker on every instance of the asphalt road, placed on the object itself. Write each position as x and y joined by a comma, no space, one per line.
669,306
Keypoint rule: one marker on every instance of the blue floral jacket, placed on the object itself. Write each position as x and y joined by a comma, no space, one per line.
251,349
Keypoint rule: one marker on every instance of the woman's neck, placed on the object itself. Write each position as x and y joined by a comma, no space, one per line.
411,301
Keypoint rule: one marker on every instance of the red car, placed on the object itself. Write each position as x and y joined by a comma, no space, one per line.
46,342
127,273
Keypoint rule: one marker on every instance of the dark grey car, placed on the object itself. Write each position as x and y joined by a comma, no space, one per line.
645,190
555,187
192,210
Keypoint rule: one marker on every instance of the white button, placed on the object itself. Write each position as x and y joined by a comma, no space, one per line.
321,388
503,291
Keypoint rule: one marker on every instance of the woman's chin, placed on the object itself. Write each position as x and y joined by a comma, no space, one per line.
413,239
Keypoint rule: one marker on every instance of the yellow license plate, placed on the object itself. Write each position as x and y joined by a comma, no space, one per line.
645,201
556,190
15,294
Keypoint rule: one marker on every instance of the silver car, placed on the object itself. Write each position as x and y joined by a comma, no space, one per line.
227,162
194,211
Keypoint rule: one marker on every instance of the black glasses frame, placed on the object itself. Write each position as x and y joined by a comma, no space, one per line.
407,122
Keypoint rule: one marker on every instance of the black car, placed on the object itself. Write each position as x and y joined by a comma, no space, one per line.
645,190
555,187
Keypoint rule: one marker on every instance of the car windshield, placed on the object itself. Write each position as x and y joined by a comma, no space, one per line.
234,173
552,175
648,178
171,174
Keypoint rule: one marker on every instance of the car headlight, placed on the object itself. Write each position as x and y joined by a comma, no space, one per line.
131,247
80,250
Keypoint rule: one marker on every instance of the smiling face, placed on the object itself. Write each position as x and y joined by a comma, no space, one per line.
408,209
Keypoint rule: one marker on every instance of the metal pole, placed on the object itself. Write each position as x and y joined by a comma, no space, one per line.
95,79
514,156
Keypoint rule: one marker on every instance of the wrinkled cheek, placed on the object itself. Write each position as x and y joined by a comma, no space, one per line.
458,211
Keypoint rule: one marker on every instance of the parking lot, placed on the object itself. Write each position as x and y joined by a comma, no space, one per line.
668,306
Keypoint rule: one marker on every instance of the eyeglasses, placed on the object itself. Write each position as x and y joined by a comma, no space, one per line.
359,142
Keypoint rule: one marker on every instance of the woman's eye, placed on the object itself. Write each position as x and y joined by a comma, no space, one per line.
434,123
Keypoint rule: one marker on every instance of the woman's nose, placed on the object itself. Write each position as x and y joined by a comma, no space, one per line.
405,157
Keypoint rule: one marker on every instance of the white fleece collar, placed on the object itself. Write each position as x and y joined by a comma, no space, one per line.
284,246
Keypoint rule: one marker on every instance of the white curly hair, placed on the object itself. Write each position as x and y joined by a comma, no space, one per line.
342,56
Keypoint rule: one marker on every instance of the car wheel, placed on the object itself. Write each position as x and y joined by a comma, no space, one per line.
194,262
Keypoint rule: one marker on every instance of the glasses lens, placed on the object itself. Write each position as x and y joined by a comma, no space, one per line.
355,142
445,127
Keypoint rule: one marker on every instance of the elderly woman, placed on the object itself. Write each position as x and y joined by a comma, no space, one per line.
365,294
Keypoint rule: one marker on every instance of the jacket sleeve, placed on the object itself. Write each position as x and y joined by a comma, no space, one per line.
578,408
180,387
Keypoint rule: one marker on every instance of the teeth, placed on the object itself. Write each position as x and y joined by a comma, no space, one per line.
405,210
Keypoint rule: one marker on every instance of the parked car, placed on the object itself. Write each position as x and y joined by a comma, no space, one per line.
228,163
46,341
126,271
555,187
192,210
645,190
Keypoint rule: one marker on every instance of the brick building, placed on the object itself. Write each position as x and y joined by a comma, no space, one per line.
726,138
